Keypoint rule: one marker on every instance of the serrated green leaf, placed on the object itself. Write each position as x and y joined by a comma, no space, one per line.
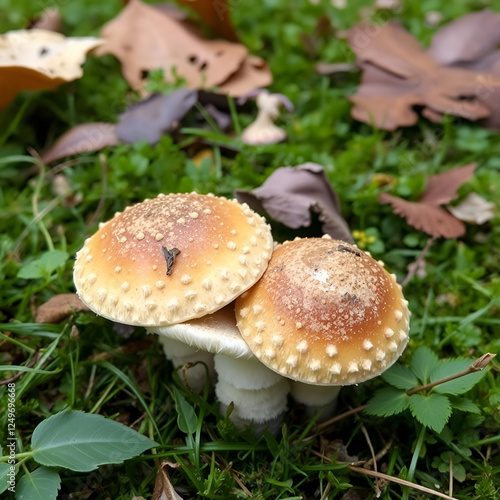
82,441
186,417
4,476
388,402
463,404
44,266
447,367
400,376
41,484
423,362
432,410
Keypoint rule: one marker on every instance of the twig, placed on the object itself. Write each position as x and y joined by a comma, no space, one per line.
380,454
333,420
451,475
19,374
392,479
372,451
414,265
477,366
234,475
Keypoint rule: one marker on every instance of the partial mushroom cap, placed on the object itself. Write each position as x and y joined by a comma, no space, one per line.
172,258
216,333
325,313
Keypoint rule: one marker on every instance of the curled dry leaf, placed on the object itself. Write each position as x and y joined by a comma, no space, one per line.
427,214
163,487
163,42
39,59
474,209
398,76
291,194
82,139
153,117
59,307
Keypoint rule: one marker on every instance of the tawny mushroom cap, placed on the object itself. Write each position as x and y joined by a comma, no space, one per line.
172,258
325,313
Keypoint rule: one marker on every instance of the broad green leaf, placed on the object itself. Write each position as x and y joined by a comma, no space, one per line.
4,477
464,404
44,266
423,362
447,367
432,410
388,402
41,484
186,417
401,377
82,441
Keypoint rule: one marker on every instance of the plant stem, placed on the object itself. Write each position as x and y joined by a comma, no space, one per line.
414,460
477,366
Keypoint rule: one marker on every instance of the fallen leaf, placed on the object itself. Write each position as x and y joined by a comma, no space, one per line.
468,38
82,139
427,214
291,194
216,14
39,59
474,209
399,76
60,307
50,19
163,489
253,73
153,117
163,42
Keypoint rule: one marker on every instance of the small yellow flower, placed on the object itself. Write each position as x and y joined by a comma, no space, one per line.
361,238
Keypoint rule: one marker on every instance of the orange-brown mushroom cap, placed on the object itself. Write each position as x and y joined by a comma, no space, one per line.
325,313
129,271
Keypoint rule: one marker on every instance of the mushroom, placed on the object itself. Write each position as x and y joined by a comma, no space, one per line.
258,395
324,314
171,259
263,130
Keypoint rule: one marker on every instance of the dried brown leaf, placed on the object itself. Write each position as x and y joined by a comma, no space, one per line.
50,19
39,59
216,14
468,38
291,194
60,307
163,487
427,214
163,42
82,139
398,76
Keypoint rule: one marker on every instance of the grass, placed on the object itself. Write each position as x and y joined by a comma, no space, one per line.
84,364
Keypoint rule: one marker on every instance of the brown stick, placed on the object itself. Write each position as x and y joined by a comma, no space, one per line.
477,366
419,259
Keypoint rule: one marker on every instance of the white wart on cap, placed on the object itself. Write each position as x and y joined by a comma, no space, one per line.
172,258
325,313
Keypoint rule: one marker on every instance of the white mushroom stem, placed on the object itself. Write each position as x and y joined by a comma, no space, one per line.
180,353
258,395
320,399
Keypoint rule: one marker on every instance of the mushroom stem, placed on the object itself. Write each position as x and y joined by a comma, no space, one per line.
321,399
258,394
180,353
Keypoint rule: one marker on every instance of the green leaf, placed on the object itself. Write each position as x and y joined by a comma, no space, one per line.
388,402
423,362
401,377
447,367
44,266
186,417
432,410
4,476
464,404
41,484
82,441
